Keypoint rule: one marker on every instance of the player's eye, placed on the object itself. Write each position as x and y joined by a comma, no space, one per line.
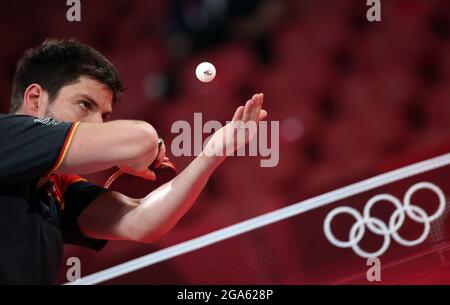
85,105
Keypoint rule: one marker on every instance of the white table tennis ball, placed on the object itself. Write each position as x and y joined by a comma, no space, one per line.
205,72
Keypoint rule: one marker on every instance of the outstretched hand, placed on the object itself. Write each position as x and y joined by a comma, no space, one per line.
241,130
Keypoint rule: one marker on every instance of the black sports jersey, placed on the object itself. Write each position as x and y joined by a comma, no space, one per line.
34,223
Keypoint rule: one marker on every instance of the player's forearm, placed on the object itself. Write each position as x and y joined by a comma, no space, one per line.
162,209
96,147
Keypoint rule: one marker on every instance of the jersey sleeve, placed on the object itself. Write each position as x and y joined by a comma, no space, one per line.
78,194
31,148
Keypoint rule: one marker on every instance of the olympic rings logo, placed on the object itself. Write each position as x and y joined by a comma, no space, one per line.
379,227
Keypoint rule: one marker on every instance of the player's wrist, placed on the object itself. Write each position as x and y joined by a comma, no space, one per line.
210,158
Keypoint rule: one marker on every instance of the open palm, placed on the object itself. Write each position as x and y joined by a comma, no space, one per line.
241,130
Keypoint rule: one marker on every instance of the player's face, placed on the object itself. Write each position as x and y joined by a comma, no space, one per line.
85,101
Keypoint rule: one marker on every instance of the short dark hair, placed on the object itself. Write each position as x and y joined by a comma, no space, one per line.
58,63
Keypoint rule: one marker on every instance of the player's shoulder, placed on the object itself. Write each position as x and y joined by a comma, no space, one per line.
13,116
16,118
12,119
15,123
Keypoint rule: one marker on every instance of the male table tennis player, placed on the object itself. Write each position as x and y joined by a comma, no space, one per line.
63,91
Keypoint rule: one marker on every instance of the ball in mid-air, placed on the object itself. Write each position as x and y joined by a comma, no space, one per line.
205,72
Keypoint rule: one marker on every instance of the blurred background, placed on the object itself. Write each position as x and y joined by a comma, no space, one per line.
354,99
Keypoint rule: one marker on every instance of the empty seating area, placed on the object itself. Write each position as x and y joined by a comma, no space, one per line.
361,95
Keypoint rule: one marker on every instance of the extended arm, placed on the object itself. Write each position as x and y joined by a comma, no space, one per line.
116,216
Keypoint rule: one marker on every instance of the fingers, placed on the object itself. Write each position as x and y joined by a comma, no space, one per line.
149,175
252,107
258,110
252,111
162,153
258,105
238,114
262,115
247,110
255,108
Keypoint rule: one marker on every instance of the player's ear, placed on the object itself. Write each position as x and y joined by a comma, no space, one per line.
35,101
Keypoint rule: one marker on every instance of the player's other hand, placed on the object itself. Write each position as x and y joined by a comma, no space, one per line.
140,168
144,167
135,168
161,157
